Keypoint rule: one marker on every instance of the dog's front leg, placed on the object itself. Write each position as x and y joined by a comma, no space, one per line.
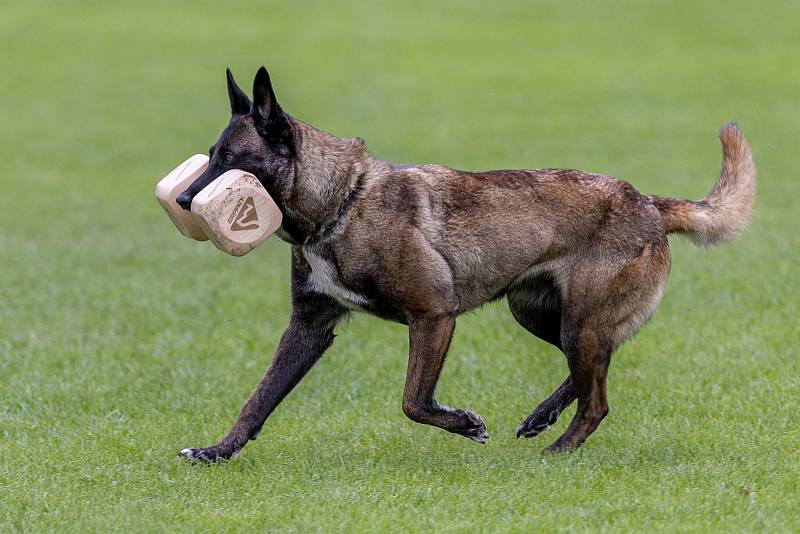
302,344
429,339
310,332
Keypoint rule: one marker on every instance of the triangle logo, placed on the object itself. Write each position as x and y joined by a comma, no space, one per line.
245,217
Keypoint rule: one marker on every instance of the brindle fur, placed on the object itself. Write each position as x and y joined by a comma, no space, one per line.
582,258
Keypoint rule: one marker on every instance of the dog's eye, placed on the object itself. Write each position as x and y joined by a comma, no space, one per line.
228,157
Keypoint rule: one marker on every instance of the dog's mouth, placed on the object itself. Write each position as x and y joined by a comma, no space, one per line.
184,200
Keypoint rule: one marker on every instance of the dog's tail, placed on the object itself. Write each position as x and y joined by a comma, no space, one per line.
723,213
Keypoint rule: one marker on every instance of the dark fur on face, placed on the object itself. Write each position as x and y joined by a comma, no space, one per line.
582,258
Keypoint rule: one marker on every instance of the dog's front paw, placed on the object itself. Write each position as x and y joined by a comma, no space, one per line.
537,422
208,455
473,426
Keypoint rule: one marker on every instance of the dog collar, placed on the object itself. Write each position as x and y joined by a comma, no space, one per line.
341,213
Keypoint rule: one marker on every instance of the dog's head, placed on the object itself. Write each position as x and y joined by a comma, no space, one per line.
258,139
307,172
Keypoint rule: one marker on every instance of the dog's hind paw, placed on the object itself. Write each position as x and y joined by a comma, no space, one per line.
208,455
537,422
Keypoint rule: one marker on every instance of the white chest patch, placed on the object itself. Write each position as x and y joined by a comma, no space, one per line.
324,280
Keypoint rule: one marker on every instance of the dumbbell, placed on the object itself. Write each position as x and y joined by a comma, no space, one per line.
234,211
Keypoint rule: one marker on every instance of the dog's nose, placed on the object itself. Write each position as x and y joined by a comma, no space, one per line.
184,200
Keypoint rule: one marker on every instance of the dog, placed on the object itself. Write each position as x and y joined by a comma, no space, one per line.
582,258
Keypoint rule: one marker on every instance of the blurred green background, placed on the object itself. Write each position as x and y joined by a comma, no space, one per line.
122,342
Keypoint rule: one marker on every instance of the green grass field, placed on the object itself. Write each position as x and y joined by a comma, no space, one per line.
122,342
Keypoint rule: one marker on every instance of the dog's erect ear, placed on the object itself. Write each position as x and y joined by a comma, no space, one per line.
269,118
240,103
265,105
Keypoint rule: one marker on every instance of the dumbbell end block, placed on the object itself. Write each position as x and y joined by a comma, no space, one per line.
176,183
236,212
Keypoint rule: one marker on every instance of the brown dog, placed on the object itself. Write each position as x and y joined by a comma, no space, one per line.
581,257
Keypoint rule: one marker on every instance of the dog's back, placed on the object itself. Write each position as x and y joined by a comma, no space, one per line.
492,227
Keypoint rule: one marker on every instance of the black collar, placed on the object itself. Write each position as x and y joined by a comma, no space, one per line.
341,213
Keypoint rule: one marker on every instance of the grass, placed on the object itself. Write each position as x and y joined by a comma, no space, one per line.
122,342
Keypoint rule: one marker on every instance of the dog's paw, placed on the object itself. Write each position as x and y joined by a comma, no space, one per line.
208,455
473,427
537,422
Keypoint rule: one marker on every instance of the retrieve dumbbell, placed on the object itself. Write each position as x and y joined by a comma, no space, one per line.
234,211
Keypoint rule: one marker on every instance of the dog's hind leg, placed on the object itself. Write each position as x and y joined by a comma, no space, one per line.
536,304
588,355
546,414
429,339
599,314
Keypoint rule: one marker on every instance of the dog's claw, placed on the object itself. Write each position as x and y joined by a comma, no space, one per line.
479,438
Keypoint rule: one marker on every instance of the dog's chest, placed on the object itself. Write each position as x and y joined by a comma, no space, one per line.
325,279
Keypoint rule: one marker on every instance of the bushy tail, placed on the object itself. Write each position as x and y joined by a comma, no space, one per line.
723,214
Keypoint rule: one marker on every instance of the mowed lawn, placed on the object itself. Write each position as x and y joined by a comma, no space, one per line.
122,342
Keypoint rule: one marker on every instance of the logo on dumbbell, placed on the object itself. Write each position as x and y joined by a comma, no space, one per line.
244,215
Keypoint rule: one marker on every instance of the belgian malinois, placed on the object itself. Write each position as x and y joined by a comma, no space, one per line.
582,258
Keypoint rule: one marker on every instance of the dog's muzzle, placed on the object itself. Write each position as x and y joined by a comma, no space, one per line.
184,200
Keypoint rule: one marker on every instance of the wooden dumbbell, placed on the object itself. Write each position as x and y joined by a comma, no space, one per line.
234,211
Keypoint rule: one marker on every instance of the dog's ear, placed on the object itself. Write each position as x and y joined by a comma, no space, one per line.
240,103
270,120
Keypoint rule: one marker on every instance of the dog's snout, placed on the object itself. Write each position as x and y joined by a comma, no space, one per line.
184,200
